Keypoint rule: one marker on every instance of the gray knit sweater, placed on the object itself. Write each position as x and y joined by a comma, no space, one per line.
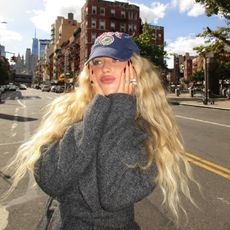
89,169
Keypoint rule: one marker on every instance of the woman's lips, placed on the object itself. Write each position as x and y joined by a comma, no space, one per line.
107,80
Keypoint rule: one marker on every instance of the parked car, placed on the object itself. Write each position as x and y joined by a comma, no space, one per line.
46,88
37,86
2,88
22,87
224,88
60,89
53,88
12,87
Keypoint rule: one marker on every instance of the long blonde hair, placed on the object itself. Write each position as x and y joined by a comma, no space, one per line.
154,115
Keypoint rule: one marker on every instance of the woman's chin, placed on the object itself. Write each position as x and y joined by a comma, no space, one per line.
109,91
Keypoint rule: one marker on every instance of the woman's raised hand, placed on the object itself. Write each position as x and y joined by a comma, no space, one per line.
127,80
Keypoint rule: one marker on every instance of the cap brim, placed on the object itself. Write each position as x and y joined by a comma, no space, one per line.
110,52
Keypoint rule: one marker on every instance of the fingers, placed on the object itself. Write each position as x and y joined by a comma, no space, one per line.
128,75
132,79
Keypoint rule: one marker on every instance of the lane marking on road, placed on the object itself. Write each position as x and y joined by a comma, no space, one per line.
4,214
12,143
203,121
20,103
212,167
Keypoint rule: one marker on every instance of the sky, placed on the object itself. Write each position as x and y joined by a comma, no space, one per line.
182,21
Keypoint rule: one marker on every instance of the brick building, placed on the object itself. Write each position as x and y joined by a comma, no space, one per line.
157,34
99,16
183,66
55,52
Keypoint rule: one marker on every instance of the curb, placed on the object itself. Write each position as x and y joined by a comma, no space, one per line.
171,102
205,106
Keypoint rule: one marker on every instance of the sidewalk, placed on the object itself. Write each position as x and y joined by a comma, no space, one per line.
187,100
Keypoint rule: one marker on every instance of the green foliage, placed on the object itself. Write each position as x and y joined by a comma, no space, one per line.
217,40
198,76
4,71
148,49
216,7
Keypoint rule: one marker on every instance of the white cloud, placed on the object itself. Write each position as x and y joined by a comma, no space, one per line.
43,19
8,35
190,7
183,45
196,10
153,13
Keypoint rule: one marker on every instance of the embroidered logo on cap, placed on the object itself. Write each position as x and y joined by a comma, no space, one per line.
106,40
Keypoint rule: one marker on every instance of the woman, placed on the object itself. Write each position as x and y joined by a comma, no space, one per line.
104,146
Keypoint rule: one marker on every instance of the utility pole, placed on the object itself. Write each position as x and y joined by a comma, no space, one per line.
207,62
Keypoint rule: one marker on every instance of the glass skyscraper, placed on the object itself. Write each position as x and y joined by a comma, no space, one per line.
35,46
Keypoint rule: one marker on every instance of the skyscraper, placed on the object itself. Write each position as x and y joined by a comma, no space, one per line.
43,43
35,46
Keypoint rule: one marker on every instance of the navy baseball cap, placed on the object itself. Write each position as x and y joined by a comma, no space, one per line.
115,45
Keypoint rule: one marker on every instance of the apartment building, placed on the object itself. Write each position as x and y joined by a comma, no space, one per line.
157,34
61,32
99,16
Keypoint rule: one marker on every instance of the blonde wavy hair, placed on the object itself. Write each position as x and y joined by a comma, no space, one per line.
154,116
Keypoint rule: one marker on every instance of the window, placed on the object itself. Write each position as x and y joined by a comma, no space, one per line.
93,23
122,27
102,24
122,14
135,16
112,26
94,10
130,15
135,28
130,28
113,12
102,11
93,37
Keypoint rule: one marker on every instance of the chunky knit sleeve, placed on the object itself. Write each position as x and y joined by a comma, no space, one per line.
63,161
121,182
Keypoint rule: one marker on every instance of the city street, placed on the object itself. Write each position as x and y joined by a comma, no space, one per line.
206,137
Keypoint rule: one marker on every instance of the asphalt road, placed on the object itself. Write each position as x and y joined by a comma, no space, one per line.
206,136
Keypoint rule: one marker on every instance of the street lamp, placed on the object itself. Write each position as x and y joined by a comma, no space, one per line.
207,61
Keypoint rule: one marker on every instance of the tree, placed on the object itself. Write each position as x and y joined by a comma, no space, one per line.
154,53
216,7
4,71
148,49
198,76
217,40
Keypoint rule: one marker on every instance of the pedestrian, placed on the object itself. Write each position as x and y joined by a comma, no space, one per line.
106,145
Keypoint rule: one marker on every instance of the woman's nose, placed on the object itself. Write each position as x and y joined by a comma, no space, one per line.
106,66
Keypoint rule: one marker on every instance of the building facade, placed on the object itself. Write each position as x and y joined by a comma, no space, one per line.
62,30
157,34
99,16
42,45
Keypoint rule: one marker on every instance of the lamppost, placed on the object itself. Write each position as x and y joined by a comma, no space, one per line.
207,61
